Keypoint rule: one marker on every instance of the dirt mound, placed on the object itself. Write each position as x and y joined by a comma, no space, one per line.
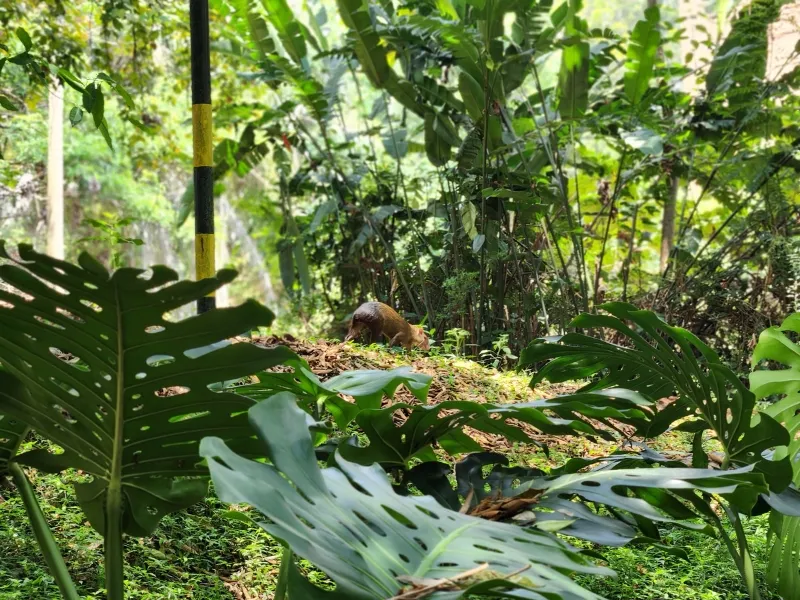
453,378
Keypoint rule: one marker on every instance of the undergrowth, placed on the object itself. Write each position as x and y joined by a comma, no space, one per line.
202,554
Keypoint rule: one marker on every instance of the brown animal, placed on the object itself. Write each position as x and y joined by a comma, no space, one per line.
382,320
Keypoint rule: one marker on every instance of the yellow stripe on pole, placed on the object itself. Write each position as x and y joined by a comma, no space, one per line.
204,256
201,127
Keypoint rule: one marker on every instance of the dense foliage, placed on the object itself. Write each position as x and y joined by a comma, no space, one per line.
499,170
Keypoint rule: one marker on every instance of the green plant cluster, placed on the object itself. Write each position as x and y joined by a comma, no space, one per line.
501,165
150,408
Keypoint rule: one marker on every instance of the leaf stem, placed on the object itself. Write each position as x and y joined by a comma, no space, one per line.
112,535
282,587
44,537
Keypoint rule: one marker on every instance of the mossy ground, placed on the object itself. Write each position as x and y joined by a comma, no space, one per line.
203,555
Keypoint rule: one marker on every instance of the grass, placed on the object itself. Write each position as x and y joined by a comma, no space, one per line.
201,554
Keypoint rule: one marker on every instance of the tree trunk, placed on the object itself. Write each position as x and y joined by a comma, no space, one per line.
668,222
671,202
55,171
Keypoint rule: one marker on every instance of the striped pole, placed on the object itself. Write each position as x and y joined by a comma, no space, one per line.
201,138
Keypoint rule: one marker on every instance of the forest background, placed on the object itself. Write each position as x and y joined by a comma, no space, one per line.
661,173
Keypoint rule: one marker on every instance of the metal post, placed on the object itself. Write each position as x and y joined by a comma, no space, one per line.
201,137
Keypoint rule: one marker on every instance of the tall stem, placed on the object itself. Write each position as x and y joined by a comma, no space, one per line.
745,562
630,254
112,536
44,537
282,586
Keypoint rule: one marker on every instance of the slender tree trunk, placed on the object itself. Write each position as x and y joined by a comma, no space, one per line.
671,202
668,222
55,172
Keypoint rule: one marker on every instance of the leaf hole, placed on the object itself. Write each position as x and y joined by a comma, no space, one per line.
305,521
402,519
427,512
69,315
189,416
159,360
89,304
44,321
373,526
487,548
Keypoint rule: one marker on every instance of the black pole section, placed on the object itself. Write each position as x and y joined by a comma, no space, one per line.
201,138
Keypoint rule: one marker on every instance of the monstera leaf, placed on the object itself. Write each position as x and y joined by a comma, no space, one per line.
402,432
351,524
637,497
105,405
366,387
658,361
12,432
775,345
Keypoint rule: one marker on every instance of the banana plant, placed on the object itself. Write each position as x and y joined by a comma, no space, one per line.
373,543
106,406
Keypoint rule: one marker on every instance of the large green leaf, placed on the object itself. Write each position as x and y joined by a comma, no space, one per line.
775,345
642,50
573,81
257,27
472,94
623,482
282,18
741,60
399,433
372,54
12,432
661,361
456,38
440,138
350,523
367,388
105,407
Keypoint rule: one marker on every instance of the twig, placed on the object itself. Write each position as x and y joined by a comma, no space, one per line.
413,594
